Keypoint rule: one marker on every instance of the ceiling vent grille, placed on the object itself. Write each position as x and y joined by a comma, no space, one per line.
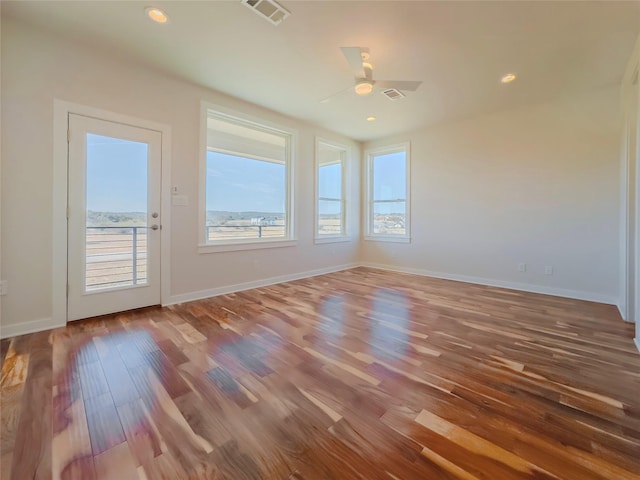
392,94
267,9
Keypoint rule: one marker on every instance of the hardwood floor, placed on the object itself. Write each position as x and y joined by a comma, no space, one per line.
360,374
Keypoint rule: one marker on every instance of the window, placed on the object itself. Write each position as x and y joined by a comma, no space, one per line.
247,192
330,191
388,194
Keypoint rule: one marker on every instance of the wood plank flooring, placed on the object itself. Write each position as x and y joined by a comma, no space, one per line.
361,374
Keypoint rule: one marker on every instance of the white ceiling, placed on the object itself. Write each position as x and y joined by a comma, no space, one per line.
458,49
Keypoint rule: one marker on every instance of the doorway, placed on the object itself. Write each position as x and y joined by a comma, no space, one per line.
113,217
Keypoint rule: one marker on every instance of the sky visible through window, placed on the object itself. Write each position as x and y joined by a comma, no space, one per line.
116,174
237,184
390,182
117,180
330,186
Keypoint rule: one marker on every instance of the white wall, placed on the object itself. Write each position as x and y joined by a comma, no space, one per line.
537,185
38,68
1,276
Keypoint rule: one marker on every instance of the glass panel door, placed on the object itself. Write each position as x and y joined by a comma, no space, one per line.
114,217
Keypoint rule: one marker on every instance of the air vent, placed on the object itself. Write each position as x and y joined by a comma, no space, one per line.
392,94
267,9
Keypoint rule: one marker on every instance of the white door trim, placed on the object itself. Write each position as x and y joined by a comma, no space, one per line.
61,111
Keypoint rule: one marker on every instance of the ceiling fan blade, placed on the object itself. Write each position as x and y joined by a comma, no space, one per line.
337,94
409,86
354,59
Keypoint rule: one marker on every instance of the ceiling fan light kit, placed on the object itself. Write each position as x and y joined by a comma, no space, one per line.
362,68
364,87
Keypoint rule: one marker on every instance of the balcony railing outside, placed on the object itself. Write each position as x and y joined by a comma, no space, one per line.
228,232
115,257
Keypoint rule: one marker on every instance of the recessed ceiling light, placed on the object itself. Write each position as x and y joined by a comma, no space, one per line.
371,119
157,15
508,78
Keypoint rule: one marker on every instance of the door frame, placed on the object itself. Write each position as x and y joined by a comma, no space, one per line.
61,111
629,304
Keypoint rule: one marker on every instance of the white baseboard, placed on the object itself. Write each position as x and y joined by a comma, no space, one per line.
15,329
525,287
622,311
12,330
213,292
637,342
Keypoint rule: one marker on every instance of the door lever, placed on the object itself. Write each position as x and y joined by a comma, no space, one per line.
155,227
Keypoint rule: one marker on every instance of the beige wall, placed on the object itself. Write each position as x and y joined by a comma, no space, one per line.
38,68
537,185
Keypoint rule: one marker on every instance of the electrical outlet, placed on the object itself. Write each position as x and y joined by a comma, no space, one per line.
4,287
522,267
548,270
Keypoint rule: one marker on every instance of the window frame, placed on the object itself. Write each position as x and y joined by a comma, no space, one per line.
345,176
370,154
212,246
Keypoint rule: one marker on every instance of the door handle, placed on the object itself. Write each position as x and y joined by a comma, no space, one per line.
155,227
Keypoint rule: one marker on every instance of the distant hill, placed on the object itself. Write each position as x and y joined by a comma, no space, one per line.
216,217
131,219
111,219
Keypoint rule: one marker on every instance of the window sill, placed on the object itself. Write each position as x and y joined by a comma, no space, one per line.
331,239
245,245
387,238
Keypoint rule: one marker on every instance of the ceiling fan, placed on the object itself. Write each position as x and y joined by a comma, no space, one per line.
358,60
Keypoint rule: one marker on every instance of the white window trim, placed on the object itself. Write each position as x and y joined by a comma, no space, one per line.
346,179
368,191
244,244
